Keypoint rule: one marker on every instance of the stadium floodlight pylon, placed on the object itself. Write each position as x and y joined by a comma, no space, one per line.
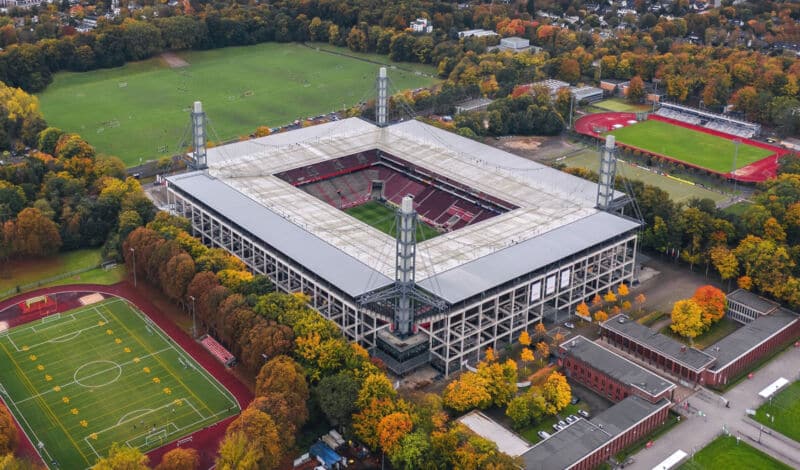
404,292
381,105
608,171
199,124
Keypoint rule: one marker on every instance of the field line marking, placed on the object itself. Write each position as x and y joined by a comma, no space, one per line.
20,415
47,408
92,447
158,359
144,412
199,368
13,343
33,328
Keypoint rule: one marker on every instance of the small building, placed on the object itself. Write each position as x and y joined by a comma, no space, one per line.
514,44
585,444
744,306
610,374
478,104
552,85
484,426
613,87
588,94
478,33
421,25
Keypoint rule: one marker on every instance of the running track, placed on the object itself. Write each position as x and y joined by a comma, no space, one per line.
204,441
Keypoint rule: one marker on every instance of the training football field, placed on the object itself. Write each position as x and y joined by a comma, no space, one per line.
103,373
382,218
691,146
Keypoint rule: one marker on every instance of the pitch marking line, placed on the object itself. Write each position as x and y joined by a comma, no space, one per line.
57,339
127,415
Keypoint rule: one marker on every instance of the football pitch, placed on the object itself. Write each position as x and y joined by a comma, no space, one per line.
382,218
730,453
82,380
141,110
695,147
784,412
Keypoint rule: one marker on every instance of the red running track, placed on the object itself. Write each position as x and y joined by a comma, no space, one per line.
755,172
205,441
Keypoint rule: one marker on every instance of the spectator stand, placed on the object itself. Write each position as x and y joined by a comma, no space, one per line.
218,351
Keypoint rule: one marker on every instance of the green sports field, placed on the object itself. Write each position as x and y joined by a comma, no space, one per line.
103,373
698,148
382,218
785,407
725,453
136,110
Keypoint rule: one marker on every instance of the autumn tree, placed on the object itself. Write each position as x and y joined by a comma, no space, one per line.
470,391
600,316
367,421
610,297
181,271
260,429
543,350
623,290
490,355
123,457
179,458
263,341
556,392
283,378
525,339
411,452
375,387
583,310
237,451
636,90
540,330
596,300
8,432
527,356
712,301
501,379
392,428
687,319
640,300
519,411
33,234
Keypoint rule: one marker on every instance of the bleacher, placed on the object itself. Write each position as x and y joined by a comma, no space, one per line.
217,350
713,121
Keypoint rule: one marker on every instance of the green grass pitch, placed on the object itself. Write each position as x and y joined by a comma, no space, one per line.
134,110
382,218
785,407
695,147
724,453
82,380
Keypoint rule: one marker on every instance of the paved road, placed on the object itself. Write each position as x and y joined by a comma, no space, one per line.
694,435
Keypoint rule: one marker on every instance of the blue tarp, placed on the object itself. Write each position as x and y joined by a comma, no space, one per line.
328,456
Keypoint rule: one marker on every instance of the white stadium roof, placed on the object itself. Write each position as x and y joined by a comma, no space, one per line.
556,213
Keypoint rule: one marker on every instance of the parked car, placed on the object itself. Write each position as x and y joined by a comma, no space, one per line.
571,419
543,435
584,413
569,325
556,427
575,400
562,423
574,418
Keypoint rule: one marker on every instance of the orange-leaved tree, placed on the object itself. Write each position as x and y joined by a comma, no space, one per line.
712,301
540,330
392,428
543,350
583,310
600,316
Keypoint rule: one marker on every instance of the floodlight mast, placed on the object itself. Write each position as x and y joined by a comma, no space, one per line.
381,104
199,123
608,171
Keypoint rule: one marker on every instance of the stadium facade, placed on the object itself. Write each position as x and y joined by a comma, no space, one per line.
520,242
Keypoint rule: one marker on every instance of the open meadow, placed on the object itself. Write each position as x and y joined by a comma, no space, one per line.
141,110
82,380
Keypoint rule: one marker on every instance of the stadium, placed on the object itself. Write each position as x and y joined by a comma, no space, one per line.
512,242
691,137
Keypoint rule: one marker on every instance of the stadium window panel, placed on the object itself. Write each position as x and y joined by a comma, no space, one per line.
536,291
551,285
565,277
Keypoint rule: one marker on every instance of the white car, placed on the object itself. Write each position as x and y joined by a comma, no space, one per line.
543,435
583,413
569,325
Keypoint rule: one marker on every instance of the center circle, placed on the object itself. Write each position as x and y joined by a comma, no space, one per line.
97,374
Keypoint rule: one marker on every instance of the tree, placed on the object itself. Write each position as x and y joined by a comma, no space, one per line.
636,91
744,282
527,356
519,411
724,261
569,70
237,451
8,432
610,297
622,290
600,316
489,356
596,300
33,234
266,339
366,421
470,391
640,300
179,272
375,387
260,429
687,319
583,310
410,453
556,392
392,428
540,330
283,377
123,457
525,339
179,459
712,302
501,379
337,396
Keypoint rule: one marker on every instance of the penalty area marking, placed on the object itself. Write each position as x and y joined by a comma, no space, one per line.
133,413
66,337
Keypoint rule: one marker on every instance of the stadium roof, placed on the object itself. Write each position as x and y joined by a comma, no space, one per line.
556,214
616,366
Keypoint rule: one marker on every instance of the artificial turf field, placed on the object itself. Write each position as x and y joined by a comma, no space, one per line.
695,147
382,218
135,110
724,453
785,407
103,373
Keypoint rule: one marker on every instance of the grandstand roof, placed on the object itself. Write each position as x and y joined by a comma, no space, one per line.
556,213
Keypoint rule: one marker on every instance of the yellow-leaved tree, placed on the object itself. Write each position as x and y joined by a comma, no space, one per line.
556,392
622,290
470,391
525,339
600,316
687,319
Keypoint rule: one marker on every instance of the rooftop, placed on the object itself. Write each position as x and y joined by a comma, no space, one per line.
555,215
616,366
484,426
731,347
690,357
759,304
581,438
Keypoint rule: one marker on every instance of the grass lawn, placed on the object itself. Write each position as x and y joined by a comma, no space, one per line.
25,271
546,425
134,110
785,407
677,190
724,453
621,106
716,332
82,380
382,218
705,150
737,209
